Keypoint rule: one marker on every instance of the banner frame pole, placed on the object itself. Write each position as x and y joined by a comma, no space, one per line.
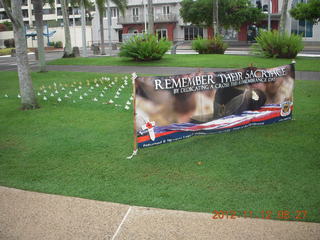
134,76
135,149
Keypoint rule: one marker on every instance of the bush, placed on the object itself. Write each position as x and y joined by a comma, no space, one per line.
9,43
58,44
209,46
51,44
277,45
5,51
8,25
144,47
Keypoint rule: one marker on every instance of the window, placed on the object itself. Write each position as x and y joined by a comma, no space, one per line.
135,14
166,10
25,13
59,12
161,33
302,27
192,32
114,12
48,11
3,16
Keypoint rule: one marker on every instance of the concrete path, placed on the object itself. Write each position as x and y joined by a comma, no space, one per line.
28,215
301,75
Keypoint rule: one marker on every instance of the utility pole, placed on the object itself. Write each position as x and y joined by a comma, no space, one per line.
109,27
217,16
269,16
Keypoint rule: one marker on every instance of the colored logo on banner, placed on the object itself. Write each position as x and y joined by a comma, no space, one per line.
286,109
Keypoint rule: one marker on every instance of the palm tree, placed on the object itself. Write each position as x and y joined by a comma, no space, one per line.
150,17
38,15
84,5
65,14
101,9
83,28
283,18
121,4
28,99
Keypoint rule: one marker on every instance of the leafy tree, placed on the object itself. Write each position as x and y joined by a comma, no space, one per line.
14,12
232,13
307,11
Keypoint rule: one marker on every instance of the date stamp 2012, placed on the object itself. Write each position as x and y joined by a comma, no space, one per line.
264,214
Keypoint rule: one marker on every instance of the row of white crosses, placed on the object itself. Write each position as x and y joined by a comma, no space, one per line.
66,91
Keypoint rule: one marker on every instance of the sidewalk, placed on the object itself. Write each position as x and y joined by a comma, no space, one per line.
30,215
300,75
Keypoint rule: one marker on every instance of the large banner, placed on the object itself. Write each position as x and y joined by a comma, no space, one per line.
170,108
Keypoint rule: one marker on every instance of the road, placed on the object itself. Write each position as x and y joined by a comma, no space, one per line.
8,63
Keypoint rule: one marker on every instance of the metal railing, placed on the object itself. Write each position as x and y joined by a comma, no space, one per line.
158,18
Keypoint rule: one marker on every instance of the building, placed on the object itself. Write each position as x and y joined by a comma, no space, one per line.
53,19
51,16
170,25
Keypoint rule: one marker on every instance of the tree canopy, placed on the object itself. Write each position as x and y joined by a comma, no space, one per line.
232,13
307,11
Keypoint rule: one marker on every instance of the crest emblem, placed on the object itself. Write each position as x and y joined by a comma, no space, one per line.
285,109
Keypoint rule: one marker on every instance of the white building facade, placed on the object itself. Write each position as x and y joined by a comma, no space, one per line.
53,19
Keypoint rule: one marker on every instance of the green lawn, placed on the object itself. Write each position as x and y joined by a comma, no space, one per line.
201,61
80,149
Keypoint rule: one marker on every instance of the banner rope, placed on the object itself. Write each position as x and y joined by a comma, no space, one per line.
135,152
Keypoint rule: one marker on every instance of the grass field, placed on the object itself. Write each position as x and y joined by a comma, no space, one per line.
80,149
201,61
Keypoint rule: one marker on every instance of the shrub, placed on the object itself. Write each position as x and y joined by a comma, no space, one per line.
209,46
8,25
58,44
5,51
51,44
277,45
144,47
9,43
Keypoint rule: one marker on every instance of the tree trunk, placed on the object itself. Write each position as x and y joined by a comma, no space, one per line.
65,14
283,18
38,15
150,18
28,99
103,49
109,25
83,28
215,9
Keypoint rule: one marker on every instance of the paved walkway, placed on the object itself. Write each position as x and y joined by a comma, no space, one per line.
301,75
28,215
9,64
